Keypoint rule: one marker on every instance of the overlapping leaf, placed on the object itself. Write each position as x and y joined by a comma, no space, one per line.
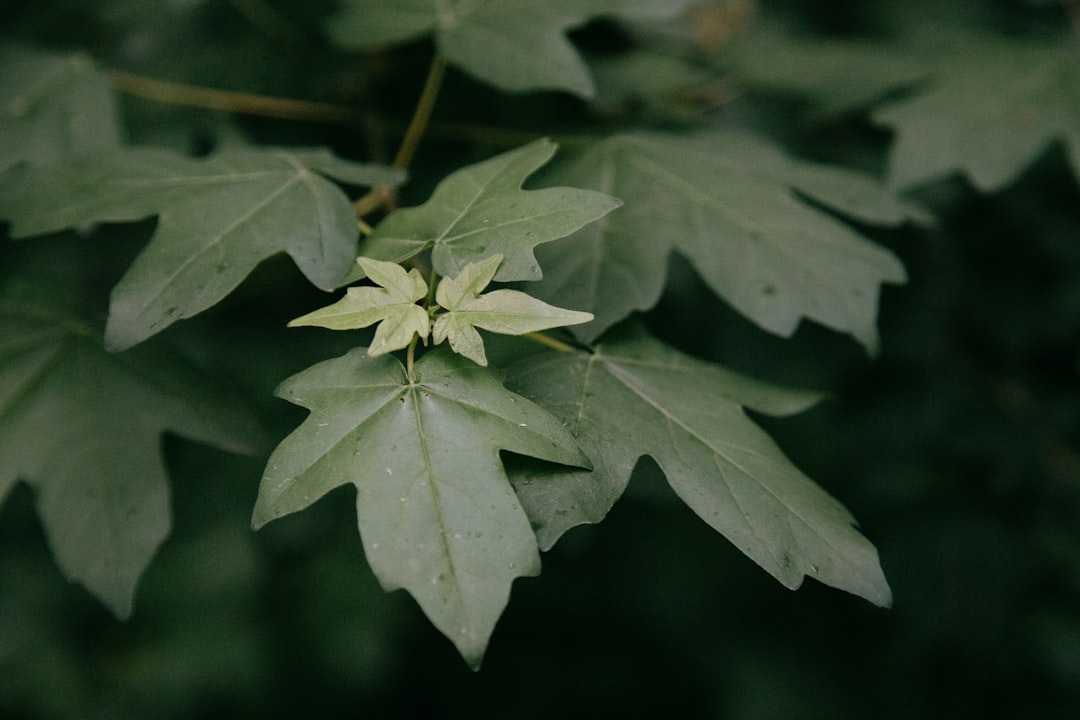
481,210
993,106
508,312
835,76
392,305
53,107
436,512
83,428
218,218
514,44
743,214
635,396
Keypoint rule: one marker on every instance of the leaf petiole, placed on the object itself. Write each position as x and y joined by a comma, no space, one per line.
378,197
550,342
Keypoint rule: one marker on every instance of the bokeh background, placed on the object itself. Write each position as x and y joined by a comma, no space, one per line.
957,447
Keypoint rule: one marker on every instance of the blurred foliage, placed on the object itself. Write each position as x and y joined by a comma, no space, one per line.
957,447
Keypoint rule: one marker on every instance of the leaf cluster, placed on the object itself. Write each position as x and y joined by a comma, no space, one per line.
417,413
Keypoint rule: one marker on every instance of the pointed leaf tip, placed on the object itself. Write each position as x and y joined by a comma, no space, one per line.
436,513
508,312
481,210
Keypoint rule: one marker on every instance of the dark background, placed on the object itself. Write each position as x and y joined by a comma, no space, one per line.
958,448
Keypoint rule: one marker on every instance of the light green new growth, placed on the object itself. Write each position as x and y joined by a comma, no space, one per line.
401,320
508,312
392,305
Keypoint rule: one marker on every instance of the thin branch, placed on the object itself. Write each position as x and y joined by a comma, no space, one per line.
422,114
229,101
380,197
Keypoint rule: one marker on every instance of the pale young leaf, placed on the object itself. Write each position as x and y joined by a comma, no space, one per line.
508,312
393,306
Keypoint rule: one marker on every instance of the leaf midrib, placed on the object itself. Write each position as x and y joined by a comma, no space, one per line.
216,240
626,379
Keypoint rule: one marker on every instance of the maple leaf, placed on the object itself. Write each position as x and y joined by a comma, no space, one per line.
737,208
481,210
435,510
508,312
992,107
516,45
836,76
53,107
82,427
217,219
393,306
635,396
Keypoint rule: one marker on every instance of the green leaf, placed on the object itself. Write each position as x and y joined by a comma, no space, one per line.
436,512
393,306
218,218
508,312
993,107
82,427
53,107
635,396
659,86
516,45
481,210
743,214
836,76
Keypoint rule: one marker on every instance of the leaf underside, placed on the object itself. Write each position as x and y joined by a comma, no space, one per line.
436,512
635,396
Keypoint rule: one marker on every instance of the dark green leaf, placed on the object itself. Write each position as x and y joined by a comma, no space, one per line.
53,107
83,428
836,76
514,44
436,512
481,210
737,208
993,106
633,397
218,218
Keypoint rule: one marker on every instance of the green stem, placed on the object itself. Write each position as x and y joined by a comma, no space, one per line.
379,196
422,115
433,282
549,342
230,101
410,357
